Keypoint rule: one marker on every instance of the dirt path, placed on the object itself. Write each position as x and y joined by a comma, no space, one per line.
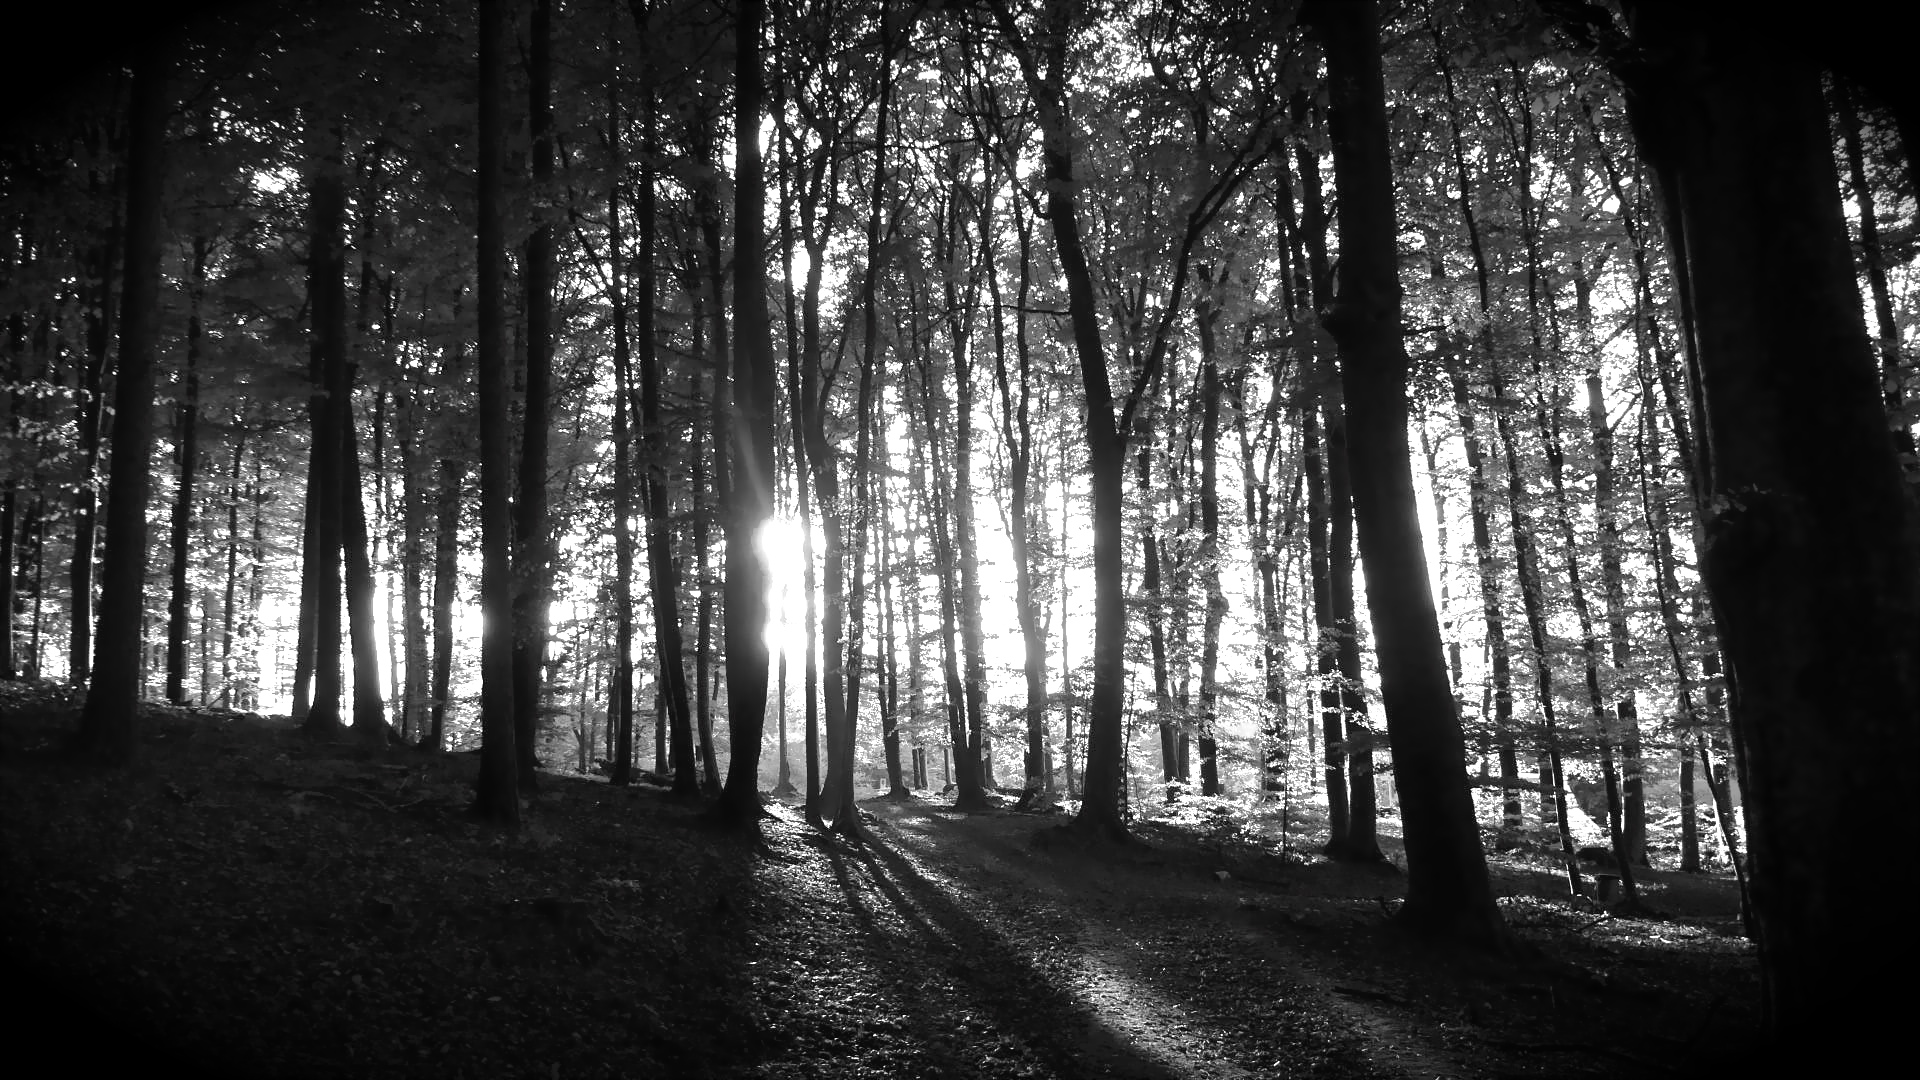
1168,967
256,904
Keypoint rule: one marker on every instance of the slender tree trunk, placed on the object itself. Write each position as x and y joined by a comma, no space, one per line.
889,690
1500,662
1151,584
113,695
414,602
1448,892
962,740
93,369
1499,652
1207,316
1325,648
179,599
230,599
1044,70
326,287
532,555
497,795
1619,638
446,584
1017,433
369,712
752,440
620,699
1361,842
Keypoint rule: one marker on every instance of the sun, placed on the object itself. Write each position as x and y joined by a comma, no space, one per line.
782,543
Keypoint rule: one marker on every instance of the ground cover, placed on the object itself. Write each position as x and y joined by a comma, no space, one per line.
249,902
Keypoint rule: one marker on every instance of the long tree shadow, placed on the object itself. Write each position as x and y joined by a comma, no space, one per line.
971,967
1147,928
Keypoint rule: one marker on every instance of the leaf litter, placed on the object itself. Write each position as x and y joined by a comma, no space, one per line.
247,902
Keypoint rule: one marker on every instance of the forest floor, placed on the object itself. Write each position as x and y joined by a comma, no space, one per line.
246,901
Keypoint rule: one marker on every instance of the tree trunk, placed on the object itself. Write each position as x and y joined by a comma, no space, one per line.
620,697
369,712
416,691
1810,537
113,695
327,364
446,585
1156,604
1017,432
1325,650
1100,805
1207,315
179,599
93,369
532,554
752,440
498,794
1361,842
1447,887
962,740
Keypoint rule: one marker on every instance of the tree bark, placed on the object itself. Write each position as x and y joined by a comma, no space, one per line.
180,596
1448,893
1810,533
497,794
532,547
620,697
1361,841
327,365
752,440
1044,70
1326,667
113,694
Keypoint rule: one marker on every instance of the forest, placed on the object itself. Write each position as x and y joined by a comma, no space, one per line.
1420,435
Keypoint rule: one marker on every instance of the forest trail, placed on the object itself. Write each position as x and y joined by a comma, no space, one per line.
247,901
1169,963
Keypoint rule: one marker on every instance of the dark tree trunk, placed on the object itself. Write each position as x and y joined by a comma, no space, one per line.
532,554
962,741
1151,583
497,797
1044,70
663,573
180,595
327,299
1207,316
1499,654
1447,887
1810,538
413,587
446,586
1361,841
369,712
1325,649
1017,431
620,701
751,438
113,695
92,382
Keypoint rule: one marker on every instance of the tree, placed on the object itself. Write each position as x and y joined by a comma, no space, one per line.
497,798
1447,888
750,437
533,559
179,595
1810,535
107,722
